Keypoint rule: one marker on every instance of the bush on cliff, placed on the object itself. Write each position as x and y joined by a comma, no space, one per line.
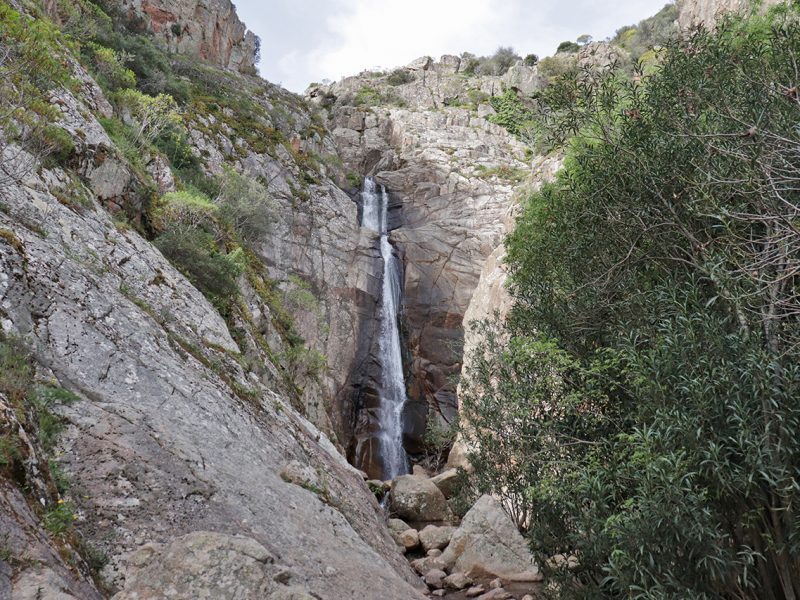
642,406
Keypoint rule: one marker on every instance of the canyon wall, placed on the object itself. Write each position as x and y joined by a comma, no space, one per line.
451,174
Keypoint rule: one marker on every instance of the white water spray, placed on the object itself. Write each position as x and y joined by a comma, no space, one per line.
393,388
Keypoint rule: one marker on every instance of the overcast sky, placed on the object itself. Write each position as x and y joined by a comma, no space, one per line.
311,40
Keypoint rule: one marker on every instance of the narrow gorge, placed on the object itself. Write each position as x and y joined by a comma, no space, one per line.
236,321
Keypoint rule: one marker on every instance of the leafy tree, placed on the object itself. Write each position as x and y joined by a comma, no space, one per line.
643,404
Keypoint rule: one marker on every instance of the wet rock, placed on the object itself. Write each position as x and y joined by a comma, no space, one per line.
435,538
488,544
418,499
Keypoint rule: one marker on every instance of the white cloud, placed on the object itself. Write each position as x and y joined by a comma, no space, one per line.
309,40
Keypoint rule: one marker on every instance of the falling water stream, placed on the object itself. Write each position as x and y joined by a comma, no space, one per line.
392,385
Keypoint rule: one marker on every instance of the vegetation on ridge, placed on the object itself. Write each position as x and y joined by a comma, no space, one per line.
640,409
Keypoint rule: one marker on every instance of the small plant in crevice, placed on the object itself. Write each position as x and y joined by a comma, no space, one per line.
59,519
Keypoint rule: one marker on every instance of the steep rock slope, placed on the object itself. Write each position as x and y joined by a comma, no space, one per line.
180,428
423,132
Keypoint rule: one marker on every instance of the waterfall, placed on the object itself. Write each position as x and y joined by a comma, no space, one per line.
392,385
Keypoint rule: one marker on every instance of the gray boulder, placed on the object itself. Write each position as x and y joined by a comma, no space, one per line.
446,482
488,544
435,538
418,499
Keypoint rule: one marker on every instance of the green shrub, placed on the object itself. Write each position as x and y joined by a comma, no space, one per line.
186,211
246,205
151,66
437,441
567,48
59,149
60,519
33,64
531,60
304,363
196,255
400,77
649,33
641,407
518,118
150,116
108,67
554,67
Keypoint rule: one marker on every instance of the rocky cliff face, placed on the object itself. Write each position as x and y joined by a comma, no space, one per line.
423,132
185,442
706,12
206,29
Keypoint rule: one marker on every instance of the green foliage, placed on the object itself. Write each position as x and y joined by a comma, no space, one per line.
504,172
42,400
109,67
555,67
437,441
650,33
400,77
498,64
531,60
58,141
195,253
149,117
34,407
641,408
59,519
82,20
247,206
187,211
567,48
152,67
368,96
300,296
32,67
303,363
513,114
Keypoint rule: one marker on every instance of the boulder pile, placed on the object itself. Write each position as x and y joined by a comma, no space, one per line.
480,555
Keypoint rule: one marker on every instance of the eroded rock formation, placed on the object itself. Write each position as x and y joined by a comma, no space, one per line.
451,174
207,29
